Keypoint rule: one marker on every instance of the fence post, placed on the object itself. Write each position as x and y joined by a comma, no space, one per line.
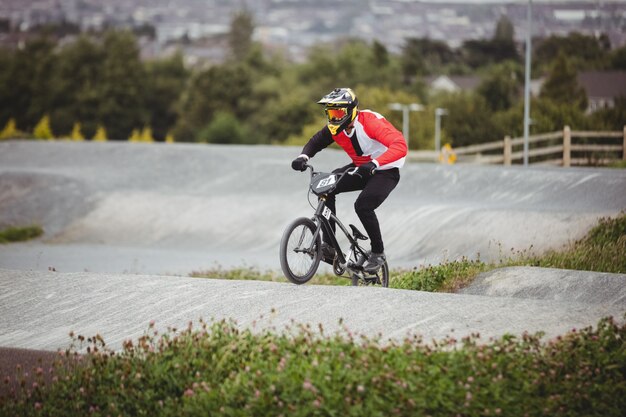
567,146
624,146
508,150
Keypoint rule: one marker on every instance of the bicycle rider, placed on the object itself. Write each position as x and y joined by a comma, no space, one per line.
378,150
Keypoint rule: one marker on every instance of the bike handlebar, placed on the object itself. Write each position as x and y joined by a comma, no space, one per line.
349,171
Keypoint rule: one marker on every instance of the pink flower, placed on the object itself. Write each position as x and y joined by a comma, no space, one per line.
188,393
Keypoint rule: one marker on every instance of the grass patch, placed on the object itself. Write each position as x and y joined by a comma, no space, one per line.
446,277
20,234
251,273
602,250
218,369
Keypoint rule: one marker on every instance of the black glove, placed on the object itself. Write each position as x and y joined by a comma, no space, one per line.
366,170
299,164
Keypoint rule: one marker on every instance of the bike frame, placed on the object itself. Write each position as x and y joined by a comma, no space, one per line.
323,217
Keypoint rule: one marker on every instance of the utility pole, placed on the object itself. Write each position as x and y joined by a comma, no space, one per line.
405,108
438,113
527,82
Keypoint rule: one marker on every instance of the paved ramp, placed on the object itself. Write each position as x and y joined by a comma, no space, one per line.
39,309
552,284
171,209
126,212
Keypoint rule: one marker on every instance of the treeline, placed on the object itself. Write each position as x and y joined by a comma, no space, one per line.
258,97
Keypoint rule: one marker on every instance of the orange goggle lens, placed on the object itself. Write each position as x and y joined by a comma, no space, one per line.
336,114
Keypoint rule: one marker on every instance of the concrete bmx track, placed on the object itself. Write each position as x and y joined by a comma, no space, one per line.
126,223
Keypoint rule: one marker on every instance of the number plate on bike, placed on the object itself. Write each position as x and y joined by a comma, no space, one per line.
326,213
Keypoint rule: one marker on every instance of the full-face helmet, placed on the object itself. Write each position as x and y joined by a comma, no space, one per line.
341,107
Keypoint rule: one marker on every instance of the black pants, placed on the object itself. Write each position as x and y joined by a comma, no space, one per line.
376,189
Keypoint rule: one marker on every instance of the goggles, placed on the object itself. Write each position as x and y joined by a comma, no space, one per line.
336,114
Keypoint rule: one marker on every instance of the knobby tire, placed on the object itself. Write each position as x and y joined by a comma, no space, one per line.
299,267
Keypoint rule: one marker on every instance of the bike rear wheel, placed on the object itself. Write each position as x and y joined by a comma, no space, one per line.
299,255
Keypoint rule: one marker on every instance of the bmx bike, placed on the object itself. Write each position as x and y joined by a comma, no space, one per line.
301,243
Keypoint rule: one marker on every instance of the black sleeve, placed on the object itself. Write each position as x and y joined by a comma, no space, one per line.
319,141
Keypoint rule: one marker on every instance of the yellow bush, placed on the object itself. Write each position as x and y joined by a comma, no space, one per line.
101,134
146,135
43,130
77,134
135,136
9,131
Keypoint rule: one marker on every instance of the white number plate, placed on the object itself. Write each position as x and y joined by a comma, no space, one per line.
326,213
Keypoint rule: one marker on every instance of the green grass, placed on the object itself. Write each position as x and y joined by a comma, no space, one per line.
602,250
20,234
251,273
218,369
618,164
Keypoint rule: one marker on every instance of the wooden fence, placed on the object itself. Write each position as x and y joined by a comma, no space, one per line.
564,148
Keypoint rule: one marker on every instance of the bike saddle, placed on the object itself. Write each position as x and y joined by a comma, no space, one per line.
357,234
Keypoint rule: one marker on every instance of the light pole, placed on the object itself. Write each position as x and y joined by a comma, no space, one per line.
405,108
527,83
438,113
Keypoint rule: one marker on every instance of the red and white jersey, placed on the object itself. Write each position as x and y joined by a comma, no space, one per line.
372,139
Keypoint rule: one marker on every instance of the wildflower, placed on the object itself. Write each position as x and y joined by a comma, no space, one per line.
188,393
360,388
37,406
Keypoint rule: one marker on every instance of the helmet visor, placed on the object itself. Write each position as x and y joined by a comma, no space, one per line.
336,114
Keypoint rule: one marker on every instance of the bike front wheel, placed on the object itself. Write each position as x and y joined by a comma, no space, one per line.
300,253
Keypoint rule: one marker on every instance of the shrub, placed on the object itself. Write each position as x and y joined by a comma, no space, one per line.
43,130
20,234
219,369
448,276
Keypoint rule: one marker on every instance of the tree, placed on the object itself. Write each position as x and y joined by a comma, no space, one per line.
166,80
501,87
240,34
469,120
424,56
222,88
561,86
585,52
77,93
42,129
121,100
380,54
504,30
618,59
26,81
225,129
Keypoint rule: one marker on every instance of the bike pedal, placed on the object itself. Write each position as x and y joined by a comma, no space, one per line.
355,267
